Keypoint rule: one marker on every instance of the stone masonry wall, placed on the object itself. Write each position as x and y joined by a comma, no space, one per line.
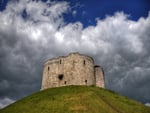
99,76
74,69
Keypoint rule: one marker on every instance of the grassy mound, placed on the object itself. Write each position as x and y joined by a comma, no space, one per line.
76,99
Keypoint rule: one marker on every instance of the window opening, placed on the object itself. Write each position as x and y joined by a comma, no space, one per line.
65,82
73,63
84,62
60,76
48,68
60,62
85,81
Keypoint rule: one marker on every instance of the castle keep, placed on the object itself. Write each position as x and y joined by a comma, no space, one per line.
74,69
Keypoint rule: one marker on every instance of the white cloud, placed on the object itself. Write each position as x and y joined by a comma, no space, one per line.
59,37
105,37
117,43
147,104
5,102
74,13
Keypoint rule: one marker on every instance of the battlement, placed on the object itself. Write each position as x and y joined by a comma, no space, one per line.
74,69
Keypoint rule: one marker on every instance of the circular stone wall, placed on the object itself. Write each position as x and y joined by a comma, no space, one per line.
74,69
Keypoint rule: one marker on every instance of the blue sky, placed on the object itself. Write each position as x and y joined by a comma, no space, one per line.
114,32
88,10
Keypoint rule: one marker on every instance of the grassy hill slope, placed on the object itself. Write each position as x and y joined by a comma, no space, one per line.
76,99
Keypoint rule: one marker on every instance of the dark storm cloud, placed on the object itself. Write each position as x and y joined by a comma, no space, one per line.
127,59
21,55
120,45
17,65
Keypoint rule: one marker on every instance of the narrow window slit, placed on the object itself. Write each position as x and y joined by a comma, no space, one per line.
65,82
86,82
84,62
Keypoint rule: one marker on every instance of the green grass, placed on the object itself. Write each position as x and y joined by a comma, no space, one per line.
76,99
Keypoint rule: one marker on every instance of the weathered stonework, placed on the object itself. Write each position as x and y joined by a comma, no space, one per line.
74,69
99,76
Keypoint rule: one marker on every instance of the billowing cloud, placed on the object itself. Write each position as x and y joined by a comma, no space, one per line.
147,104
5,101
33,31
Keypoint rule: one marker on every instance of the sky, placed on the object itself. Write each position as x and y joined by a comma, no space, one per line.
116,33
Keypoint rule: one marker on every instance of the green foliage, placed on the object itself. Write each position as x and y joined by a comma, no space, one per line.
76,99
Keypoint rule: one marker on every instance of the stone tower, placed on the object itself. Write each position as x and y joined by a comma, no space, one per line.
74,69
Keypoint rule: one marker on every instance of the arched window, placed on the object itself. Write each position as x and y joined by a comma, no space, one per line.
48,68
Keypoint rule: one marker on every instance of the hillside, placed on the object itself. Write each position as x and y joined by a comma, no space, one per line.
76,99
